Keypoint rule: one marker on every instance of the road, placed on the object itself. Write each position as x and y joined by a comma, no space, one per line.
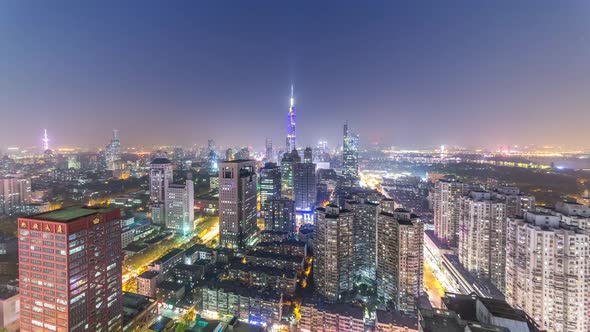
205,231
433,287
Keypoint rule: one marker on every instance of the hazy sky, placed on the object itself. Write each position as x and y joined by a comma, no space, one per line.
404,73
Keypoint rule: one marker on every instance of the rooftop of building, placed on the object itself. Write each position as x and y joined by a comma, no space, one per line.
393,318
160,161
235,161
170,285
270,255
171,254
134,304
288,273
70,213
231,286
197,247
6,293
148,275
291,242
160,324
190,268
205,325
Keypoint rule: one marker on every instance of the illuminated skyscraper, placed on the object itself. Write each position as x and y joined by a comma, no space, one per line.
113,152
400,259
350,155
70,270
180,210
447,193
270,185
161,175
237,203
45,141
289,159
269,153
333,252
304,185
291,137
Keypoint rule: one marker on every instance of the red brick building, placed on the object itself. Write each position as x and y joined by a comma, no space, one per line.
70,267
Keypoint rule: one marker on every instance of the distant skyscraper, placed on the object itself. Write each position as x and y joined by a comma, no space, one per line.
304,184
447,193
14,193
291,124
237,203
333,252
212,162
45,141
180,210
243,154
161,175
74,284
113,152
280,215
289,159
269,155
229,154
482,236
350,155
400,259
270,184
548,271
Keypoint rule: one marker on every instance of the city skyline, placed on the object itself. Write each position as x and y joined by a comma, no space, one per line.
416,68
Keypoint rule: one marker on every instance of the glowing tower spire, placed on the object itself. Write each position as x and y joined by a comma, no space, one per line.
45,141
291,137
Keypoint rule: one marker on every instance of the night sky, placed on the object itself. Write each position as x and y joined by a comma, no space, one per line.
414,73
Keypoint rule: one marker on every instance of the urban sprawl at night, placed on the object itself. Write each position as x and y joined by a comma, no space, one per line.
267,199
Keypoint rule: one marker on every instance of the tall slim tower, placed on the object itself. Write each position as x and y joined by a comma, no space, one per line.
45,141
269,152
237,203
291,137
113,151
350,154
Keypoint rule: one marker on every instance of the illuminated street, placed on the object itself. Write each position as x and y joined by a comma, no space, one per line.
207,230
433,287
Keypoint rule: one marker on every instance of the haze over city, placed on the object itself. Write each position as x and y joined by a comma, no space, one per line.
407,74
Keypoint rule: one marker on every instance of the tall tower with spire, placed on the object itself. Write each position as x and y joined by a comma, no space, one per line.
45,141
291,137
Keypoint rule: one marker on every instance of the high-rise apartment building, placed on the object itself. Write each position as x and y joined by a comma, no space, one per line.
350,154
180,210
548,271
333,253
14,193
400,259
304,184
280,215
237,203
516,201
113,152
289,159
482,236
70,270
447,193
366,211
270,185
161,175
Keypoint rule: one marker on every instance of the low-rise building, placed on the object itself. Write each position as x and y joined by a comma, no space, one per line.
9,308
276,261
282,280
197,252
166,262
285,247
388,321
170,291
147,283
138,311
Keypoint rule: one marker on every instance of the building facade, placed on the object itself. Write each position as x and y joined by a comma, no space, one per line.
447,193
270,185
304,186
482,237
400,259
350,154
75,254
333,252
280,216
180,210
547,271
237,203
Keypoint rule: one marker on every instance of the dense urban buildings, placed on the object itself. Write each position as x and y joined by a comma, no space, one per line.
237,203
15,194
70,270
280,215
447,193
366,209
547,272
